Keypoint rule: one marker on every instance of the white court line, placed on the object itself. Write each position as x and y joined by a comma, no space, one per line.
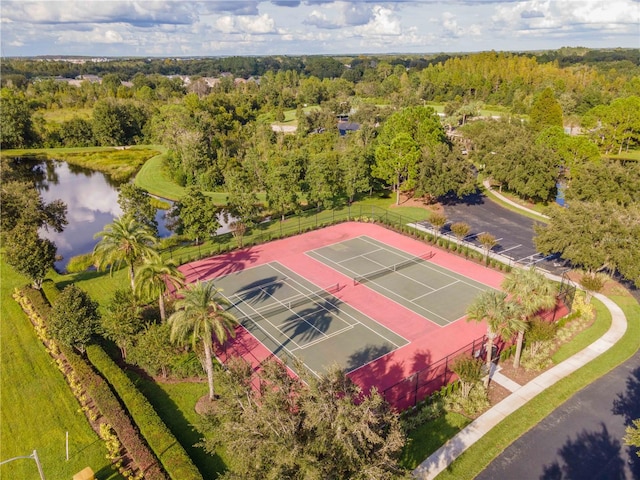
320,340
249,317
425,264
354,318
436,290
458,276
390,298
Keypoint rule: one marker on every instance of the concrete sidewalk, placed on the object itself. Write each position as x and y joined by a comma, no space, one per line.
445,455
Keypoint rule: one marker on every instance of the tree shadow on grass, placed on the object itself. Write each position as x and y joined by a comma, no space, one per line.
83,277
592,455
210,466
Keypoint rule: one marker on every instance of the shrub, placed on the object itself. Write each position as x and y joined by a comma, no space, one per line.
171,454
74,317
50,291
538,358
80,263
592,283
476,401
540,331
469,371
429,410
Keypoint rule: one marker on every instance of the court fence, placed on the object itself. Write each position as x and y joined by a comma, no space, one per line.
412,390
274,229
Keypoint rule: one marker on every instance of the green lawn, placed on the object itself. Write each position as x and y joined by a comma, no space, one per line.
631,155
155,179
175,404
478,456
430,436
37,405
487,111
60,115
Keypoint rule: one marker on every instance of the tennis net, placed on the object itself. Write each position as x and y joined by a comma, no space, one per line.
392,268
292,302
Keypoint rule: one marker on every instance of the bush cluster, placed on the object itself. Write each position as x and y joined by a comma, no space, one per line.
171,454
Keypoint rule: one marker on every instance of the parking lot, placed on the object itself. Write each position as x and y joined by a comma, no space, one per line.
514,232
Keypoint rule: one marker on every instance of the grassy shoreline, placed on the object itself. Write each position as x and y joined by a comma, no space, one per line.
120,163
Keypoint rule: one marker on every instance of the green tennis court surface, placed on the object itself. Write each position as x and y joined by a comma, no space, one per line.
292,317
414,282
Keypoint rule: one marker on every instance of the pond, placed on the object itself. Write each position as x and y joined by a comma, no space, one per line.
92,202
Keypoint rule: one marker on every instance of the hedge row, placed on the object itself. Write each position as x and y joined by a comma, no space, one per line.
50,291
38,309
171,454
115,415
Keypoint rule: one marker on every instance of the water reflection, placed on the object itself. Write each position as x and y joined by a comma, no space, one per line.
92,202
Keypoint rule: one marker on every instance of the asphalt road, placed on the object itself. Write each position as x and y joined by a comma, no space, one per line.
581,439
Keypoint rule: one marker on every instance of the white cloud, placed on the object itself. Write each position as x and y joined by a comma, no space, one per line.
132,12
568,15
259,24
450,25
383,23
238,27
320,20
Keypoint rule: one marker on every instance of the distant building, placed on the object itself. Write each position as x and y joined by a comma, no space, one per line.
345,126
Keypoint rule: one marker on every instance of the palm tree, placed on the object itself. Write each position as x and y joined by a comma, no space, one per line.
200,316
533,292
501,317
124,241
154,278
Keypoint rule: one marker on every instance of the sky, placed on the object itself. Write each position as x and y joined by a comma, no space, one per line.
157,28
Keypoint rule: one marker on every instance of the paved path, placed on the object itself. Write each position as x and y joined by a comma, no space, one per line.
520,395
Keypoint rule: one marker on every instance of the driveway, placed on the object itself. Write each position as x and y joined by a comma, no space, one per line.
513,231
581,439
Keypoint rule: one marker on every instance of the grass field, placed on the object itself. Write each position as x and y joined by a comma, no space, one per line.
37,405
154,178
631,155
430,436
60,115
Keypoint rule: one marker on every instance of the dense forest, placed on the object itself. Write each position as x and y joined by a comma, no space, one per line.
568,117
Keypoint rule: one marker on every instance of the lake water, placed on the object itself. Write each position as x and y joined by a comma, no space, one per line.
92,202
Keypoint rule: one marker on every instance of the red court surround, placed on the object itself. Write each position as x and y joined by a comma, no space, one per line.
428,341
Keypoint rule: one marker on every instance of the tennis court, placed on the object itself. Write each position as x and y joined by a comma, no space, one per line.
294,318
414,282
